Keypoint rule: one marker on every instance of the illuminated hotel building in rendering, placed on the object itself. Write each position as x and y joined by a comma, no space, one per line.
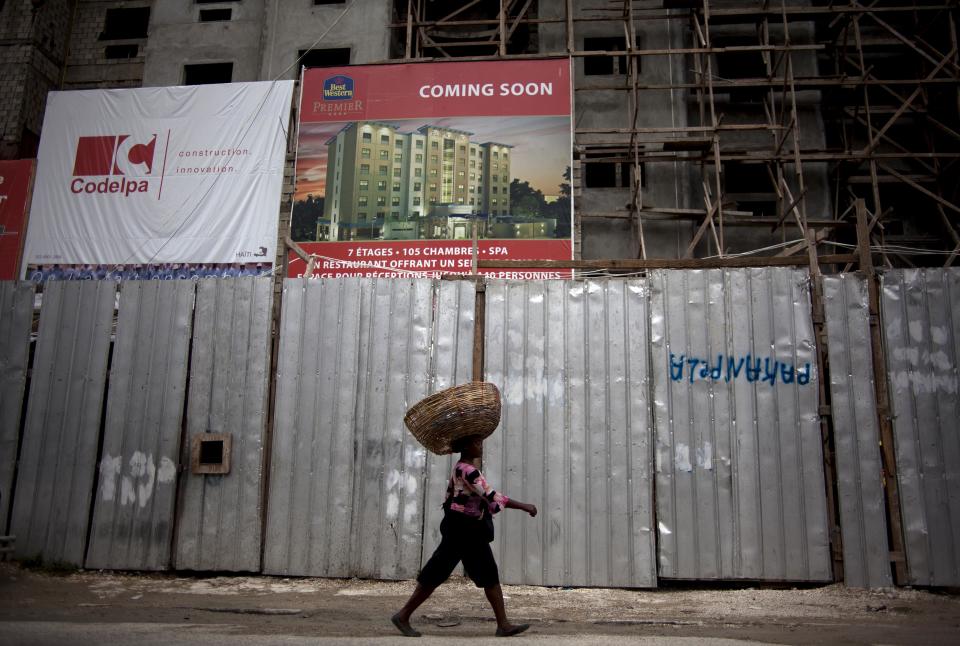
382,183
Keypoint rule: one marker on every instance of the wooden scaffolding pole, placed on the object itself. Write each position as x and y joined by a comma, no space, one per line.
887,453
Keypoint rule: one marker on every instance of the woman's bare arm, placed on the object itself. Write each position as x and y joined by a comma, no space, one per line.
522,506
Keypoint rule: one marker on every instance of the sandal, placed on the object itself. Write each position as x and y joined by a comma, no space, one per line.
512,630
404,627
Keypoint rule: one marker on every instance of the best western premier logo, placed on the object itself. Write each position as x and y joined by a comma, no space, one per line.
338,88
338,98
121,162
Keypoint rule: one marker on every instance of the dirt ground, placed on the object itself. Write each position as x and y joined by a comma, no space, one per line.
39,607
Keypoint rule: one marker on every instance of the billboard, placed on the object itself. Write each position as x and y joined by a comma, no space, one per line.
14,190
402,169
159,182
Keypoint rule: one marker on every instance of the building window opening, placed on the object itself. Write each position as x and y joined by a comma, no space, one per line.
739,64
125,24
207,73
607,65
748,185
606,174
215,15
734,65
332,57
113,52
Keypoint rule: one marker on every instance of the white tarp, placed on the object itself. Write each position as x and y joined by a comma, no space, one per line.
160,175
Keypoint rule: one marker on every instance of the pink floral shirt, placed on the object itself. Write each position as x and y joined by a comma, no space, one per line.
469,493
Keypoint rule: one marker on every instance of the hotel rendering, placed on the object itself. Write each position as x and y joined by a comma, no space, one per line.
429,184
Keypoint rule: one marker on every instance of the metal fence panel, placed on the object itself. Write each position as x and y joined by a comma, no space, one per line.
453,333
16,316
347,479
571,360
921,320
310,501
863,520
740,489
395,335
219,524
134,502
58,456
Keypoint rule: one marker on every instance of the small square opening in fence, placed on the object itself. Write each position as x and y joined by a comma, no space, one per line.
210,453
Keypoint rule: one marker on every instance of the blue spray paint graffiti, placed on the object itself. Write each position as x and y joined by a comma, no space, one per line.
754,369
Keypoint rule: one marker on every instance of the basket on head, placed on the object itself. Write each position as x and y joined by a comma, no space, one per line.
457,412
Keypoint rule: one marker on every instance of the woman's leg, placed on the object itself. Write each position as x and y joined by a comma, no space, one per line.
435,572
482,568
504,627
402,619
495,597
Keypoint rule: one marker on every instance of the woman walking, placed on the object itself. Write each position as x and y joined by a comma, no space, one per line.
466,531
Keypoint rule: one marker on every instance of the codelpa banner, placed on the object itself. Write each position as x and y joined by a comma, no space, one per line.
417,168
150,179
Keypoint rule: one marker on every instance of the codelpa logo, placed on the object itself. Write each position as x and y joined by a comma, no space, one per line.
338,88
122,163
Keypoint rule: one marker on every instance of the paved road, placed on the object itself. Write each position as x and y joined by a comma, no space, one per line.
40,607
54,633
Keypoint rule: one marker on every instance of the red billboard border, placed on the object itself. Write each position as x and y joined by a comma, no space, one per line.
15,211
330,265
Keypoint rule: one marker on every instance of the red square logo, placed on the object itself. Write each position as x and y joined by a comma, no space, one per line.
94,155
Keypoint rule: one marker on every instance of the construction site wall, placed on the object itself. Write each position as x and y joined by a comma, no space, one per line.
666,425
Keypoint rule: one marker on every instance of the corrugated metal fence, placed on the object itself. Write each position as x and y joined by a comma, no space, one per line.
921,316
666,426
347,487
571,360
55,474
16,313
134,503
311,475
220,524
740,484
866,557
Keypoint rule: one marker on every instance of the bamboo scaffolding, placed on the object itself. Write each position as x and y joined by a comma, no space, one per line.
870,158
886,132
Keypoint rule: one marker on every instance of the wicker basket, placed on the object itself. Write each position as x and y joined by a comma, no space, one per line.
461,411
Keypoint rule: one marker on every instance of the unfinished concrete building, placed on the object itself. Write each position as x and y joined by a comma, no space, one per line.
703,128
